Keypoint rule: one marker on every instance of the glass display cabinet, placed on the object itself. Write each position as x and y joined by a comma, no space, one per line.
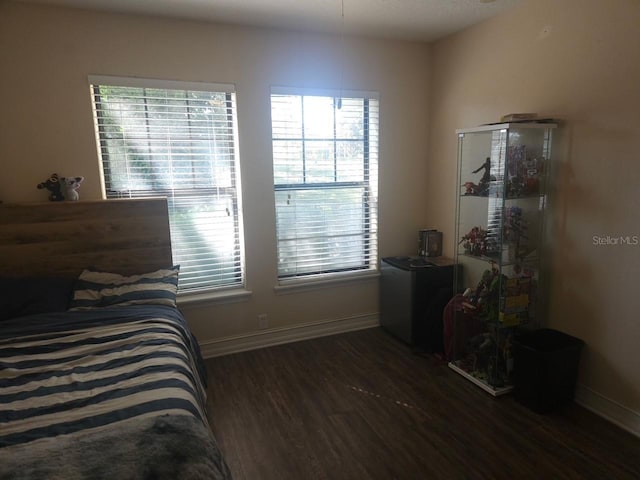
502,176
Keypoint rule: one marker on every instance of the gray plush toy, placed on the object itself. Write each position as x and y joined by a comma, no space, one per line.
69,187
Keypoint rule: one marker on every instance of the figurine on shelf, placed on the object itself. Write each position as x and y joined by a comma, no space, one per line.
487,178
514,234
516,156
482,348
487,294
475,242
533,171
514,227
471,188
515,188
523,173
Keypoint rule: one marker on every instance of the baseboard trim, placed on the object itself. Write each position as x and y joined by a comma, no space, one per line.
279,336
620,415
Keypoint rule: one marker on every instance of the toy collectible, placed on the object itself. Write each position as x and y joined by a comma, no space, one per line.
70,186
53,185
487,178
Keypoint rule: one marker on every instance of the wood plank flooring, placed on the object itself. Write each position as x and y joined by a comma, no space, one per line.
361,406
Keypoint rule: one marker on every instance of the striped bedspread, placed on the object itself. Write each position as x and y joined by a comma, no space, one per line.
96,375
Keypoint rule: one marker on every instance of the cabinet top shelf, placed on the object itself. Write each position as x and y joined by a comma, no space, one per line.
486,197
504,126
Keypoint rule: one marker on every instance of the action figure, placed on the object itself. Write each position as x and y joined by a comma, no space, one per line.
483,185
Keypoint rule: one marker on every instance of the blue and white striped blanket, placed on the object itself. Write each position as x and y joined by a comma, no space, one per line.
96,375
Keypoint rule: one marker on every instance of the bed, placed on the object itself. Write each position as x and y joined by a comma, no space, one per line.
100,376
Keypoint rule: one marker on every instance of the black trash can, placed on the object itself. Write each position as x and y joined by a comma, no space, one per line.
545,369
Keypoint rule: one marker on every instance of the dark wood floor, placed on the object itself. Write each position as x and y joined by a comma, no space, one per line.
362,406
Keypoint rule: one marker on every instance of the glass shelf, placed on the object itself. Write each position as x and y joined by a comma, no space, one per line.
528,260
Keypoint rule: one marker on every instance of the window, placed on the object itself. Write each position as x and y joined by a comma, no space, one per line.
177,140
325,167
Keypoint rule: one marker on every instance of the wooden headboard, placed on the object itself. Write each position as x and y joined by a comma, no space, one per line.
125,236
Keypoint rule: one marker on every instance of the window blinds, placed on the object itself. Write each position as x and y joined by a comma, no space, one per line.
180,143
325,164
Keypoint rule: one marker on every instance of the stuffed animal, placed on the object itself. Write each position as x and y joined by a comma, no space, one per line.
53,185
69,187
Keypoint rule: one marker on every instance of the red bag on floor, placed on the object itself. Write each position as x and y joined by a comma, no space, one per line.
459,325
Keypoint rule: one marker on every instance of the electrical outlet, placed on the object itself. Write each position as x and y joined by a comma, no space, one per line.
263,322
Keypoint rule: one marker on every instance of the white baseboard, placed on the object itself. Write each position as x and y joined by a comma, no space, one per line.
622,416
278,336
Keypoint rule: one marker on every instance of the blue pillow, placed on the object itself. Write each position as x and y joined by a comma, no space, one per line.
28,296
101,289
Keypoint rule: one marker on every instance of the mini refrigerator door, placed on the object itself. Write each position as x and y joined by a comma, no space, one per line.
396,291
413,293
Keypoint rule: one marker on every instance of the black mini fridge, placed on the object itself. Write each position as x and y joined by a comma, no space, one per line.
413,294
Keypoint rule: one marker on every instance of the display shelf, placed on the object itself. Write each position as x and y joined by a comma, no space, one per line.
507,198
498,261
502,177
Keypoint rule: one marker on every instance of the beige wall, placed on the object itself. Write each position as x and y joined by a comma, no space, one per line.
46,126
578,61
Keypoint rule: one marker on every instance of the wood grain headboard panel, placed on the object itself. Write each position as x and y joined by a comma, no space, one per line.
125,236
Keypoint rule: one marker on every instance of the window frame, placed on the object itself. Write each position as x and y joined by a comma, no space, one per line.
369,265
232,191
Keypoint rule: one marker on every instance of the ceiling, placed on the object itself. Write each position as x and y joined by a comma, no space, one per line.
422,20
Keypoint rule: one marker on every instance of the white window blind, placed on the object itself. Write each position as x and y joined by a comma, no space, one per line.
180,143
325,165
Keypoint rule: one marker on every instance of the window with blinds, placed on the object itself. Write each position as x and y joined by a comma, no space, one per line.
325,166
177,140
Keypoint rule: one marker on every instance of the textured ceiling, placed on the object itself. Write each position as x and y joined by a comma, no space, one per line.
424,20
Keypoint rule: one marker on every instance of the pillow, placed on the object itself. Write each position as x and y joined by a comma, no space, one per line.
30,295
101,289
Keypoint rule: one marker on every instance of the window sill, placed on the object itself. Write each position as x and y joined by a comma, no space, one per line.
225,296
298,285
